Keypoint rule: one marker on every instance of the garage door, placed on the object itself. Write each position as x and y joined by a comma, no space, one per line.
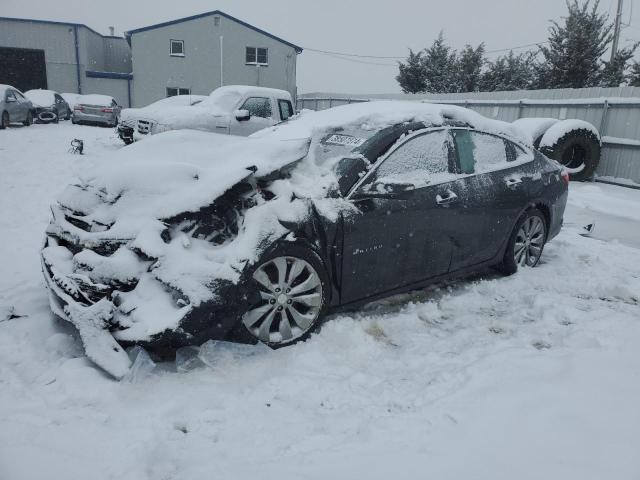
23,68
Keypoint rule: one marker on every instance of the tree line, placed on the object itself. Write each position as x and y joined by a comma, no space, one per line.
572,57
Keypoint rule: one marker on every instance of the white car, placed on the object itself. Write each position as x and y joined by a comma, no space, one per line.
129,117
232,110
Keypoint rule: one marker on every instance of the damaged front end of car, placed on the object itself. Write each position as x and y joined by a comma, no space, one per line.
175,288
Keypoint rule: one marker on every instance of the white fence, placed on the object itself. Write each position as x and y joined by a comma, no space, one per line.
614,111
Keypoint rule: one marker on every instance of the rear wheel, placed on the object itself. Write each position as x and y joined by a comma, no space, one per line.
4,123
289,292
526,242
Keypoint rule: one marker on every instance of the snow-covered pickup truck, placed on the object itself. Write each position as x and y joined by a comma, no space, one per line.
233,110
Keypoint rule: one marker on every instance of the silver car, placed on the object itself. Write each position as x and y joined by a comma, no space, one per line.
96,110
14,107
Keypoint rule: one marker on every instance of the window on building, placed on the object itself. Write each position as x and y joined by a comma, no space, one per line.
257,56
176,48
216,21
173,91
257,107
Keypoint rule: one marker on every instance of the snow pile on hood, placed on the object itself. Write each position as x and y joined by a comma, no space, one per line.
381,114
156,108
560,129
94,99
41,98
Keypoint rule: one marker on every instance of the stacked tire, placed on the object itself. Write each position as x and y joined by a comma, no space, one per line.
575,144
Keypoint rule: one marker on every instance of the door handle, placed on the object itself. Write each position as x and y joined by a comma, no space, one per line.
512,182
449,199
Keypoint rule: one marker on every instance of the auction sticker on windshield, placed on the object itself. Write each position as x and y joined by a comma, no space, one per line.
346,140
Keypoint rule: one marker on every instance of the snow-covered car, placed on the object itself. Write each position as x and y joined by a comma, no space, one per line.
191,236
233,110
129,117
49,106
14,107
95,109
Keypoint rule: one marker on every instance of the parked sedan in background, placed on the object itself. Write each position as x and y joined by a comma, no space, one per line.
96,109
191,236
129,117
49,106
14,107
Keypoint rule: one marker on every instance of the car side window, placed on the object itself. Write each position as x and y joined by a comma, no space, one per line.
420,160
480,152
257,107
20,97
286,109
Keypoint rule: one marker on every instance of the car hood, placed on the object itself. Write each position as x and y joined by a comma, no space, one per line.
176,118
170,174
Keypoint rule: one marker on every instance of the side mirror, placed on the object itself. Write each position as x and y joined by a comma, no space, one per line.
386,189
11,100
242,115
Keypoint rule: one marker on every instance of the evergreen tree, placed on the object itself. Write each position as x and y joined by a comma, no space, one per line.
412,77
440,67
634,76
510,72
469,68
572,58
614,73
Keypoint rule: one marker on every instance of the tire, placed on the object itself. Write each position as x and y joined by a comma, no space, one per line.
513,256
279,318
4,122
29,120
574,149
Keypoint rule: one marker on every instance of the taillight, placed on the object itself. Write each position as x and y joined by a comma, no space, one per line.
80,108
107,110
565,176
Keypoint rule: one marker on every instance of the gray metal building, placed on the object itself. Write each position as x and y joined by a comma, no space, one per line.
197,54
194,55
66,57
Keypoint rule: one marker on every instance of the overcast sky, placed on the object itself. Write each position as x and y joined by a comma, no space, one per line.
363,27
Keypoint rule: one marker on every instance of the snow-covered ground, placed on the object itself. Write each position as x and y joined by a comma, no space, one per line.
532,376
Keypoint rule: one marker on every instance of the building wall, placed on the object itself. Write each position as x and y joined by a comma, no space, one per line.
117,55
57,41
114,87
199,69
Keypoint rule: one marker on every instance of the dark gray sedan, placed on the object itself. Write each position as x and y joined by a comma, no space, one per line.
14,107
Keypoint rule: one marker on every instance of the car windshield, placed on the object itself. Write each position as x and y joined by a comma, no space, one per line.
224,100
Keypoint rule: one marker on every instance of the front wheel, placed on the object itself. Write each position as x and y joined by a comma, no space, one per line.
289,297
29,120
526,242
4,122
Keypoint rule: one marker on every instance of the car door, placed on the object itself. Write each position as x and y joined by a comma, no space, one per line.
498,176
402,237
23,105
261,112
13,107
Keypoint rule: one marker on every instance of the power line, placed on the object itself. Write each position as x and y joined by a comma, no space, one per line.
342,55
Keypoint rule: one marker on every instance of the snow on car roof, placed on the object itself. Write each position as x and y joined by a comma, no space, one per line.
380,114
41,98
94,99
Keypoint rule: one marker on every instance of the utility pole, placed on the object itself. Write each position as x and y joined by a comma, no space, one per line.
616,31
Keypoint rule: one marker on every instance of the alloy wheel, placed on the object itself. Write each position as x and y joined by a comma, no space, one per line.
291,300
529,242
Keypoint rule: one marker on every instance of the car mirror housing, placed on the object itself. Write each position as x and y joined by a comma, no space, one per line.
11,100
381,189
242,115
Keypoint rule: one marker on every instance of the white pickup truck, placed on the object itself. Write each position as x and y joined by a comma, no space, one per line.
232,110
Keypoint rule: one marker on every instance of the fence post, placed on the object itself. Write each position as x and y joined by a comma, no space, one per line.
520,108
316,104
330,102
604,118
